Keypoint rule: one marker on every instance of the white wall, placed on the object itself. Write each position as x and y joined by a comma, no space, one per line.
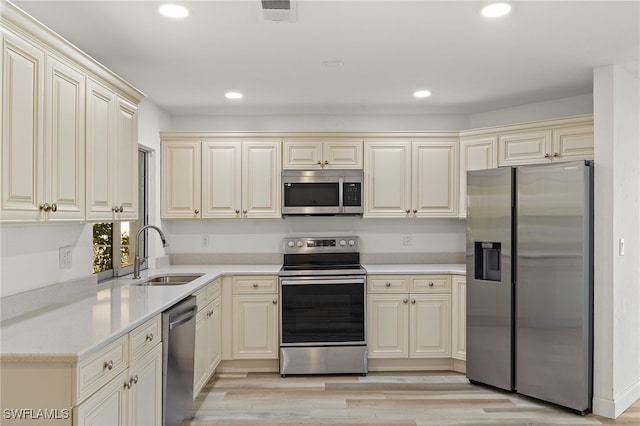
617,216
565,107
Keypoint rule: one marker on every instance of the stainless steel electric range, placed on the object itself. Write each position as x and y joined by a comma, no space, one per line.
322,307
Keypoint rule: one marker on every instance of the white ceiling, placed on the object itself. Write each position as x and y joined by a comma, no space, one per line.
541,51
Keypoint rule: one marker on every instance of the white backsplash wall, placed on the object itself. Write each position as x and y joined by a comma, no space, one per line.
30,255
377,236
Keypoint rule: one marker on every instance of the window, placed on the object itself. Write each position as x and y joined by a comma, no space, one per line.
114,242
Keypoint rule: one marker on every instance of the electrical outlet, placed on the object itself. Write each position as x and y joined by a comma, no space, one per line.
65,257
204,241
406,241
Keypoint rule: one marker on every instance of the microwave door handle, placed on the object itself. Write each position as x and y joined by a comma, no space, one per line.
340,195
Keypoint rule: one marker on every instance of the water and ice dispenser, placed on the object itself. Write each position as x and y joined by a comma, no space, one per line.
487,261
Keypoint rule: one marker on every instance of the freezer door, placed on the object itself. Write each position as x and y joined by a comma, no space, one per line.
554,284
489,271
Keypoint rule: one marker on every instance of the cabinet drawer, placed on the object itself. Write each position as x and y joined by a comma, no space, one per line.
96,371
255,284
205,295
387,284
431,284
145,337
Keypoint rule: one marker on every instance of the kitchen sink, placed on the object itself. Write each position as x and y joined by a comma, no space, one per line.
173,279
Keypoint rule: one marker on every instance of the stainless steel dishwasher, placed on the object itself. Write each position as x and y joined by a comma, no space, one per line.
179,337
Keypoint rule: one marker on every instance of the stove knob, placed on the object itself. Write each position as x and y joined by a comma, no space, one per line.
352,242
291,244
299,244
343,243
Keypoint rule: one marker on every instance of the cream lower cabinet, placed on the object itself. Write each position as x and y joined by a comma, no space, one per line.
255,317
208,335
459,317
134,395
409,316
411,178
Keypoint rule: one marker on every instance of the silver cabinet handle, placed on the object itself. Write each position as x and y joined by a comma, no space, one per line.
405,300
388,284
413,301
54,207
115,209
127,385
135,379
546,156
319,163
237,211
108,365
244,212
556,155
275,301
46,207
415,211
255,285
196,211
431,284
326,163
150,337
407,211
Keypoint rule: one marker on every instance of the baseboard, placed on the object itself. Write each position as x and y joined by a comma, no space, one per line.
612,409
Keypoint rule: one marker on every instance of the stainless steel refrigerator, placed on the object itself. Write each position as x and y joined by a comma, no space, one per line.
530,281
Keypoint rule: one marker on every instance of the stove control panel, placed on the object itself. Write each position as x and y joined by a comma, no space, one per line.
321,244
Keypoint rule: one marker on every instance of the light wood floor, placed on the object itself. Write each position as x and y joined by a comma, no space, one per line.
378,399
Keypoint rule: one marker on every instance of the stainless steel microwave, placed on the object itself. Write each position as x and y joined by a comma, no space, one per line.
328,192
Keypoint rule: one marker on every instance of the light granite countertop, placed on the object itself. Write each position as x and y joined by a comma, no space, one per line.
72,331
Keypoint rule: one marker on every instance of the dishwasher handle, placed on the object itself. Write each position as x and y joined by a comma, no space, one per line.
181,318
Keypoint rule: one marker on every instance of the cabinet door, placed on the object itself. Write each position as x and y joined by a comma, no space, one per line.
126,161
303,154
430,325
478,153
221,179
214,337
180,173
22,129
108,406
573,143
388,327
342,154
387,170
261,165
145,395
459,318
101,111
524,148
65,141
200,373
255,326
435,178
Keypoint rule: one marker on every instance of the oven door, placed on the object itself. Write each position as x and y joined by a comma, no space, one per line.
323,311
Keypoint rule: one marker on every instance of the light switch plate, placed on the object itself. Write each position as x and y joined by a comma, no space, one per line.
66,257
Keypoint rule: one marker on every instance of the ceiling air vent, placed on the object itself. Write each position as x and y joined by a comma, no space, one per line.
279,10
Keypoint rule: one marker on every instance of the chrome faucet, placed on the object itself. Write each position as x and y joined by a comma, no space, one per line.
137,261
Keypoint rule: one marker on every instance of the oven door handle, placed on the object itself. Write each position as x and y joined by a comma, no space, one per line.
322,281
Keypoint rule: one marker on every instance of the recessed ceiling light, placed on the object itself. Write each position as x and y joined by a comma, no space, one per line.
174,11
421,94
233,95
496,10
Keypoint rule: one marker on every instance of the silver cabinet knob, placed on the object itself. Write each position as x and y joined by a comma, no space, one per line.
546,156
108,365
431,284
413,301
45,207
556,155
196,211
150,337
405,300
237,211
255,285
415,211
388,284
135,379
407,211
115,209
127,385
275,301
319,163
54,207
244,212
326,163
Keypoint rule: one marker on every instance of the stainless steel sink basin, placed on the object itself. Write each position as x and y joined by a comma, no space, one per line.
172,279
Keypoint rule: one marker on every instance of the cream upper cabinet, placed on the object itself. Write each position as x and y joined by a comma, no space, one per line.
181,179
409,316
434,178
322,153
261,166
387,170
476,153
459,317
111,158
553,143
411,178
221,178
43,137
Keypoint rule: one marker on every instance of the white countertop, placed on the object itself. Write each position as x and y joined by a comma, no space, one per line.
70,332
